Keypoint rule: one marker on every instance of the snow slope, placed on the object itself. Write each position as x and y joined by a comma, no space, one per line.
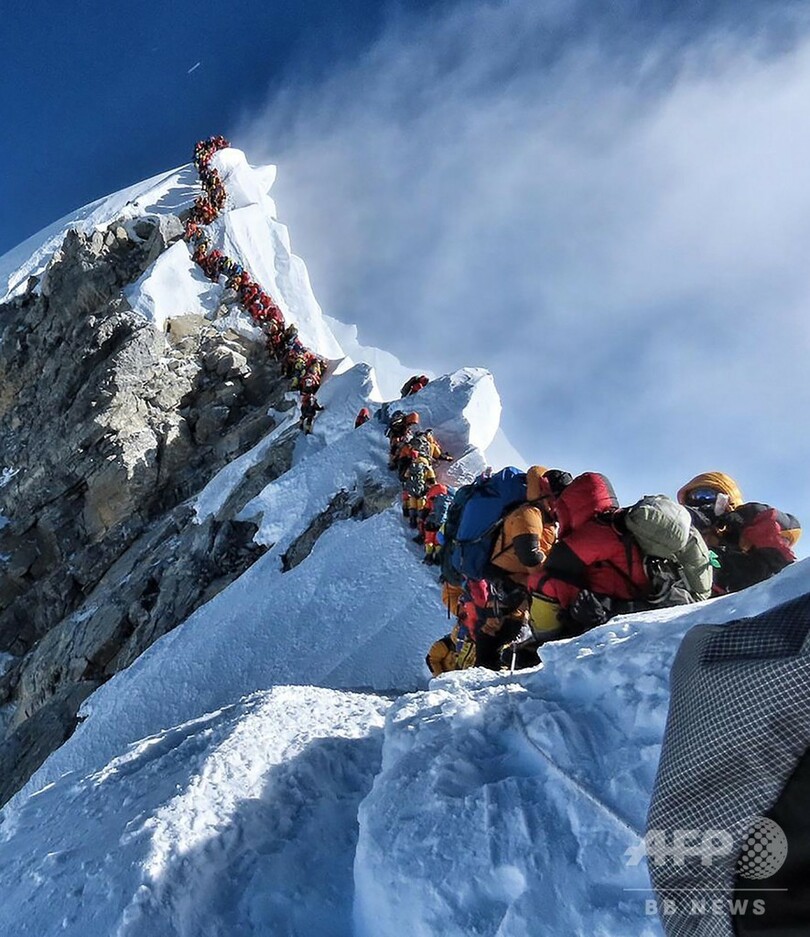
172,192
506,805
358,612
488,804
239,822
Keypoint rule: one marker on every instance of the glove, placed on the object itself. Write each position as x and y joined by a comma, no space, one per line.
590,610
731,526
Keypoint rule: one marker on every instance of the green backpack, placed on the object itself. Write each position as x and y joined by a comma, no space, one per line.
672,548
416,479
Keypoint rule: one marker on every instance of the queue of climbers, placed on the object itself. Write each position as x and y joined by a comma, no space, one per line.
413,453
528,557
303,367
525,557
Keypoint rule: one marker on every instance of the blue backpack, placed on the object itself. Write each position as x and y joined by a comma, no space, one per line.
483,506
438,513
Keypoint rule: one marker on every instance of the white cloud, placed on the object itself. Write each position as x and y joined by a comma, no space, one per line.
619,232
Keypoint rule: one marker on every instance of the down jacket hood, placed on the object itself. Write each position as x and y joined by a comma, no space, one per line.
588,494
719,481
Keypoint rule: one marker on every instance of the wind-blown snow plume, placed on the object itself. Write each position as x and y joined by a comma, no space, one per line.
602,207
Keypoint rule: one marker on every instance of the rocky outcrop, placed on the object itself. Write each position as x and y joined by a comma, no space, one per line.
373,498
108,427
27,746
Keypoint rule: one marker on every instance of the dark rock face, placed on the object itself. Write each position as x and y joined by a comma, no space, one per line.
362,503
27,746
107,428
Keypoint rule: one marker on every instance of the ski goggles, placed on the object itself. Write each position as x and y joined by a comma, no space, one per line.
701,497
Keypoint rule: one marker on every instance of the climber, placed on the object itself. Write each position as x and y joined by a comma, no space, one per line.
400,453
413,385
291,334
425,444
468,621
524,538
528,531
235,280
453,651
399,421
274,340
610,560
248,292
751,541
441,658
362,417
495,615
412,445
271,331
489,620
590,565
309,409
437,503
292,354
395,423
418,479
310,379
399,429
456,650
309,383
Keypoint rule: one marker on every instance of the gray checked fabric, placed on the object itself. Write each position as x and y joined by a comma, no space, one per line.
739,721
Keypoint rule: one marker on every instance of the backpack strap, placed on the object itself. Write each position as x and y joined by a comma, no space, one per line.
504,548
649,568
482,536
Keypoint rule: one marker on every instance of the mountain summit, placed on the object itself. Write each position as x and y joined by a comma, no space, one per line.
144,424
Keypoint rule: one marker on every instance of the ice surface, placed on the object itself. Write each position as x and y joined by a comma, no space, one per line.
241,822
506,805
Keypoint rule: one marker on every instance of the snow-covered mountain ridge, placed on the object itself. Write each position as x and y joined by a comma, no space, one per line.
257,749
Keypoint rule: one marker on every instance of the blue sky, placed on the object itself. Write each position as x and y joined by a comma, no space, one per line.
96,95
606,203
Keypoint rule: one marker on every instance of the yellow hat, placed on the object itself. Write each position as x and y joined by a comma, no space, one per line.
720,482
534,482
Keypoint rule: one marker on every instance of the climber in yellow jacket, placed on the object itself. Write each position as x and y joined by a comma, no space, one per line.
751,541
528,531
